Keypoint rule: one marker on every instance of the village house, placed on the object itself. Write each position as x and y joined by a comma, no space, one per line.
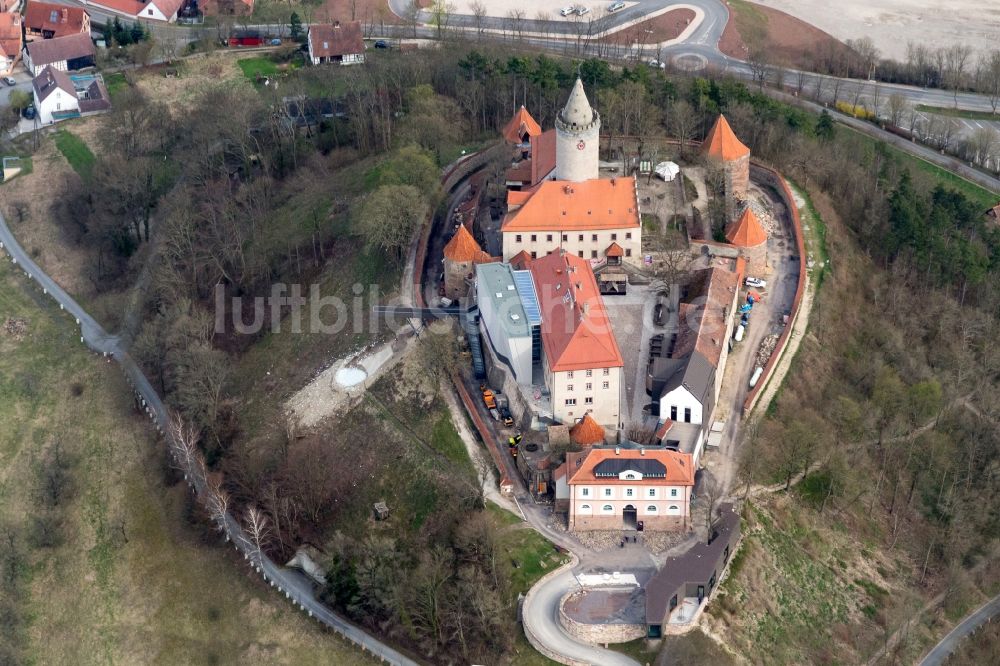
55,95
576,211
340,42
10,41
618,488
685,381
68,53
44,20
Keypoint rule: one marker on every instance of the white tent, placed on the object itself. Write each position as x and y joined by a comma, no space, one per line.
667,170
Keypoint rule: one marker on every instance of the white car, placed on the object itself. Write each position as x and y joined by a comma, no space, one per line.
656,64
755,282
566,11
616,6
581,10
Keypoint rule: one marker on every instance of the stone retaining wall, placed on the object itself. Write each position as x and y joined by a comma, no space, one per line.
598,634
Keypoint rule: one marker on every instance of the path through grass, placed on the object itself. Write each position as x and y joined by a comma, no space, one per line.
76,152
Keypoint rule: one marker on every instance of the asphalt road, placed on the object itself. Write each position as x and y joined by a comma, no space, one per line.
295,586
940,652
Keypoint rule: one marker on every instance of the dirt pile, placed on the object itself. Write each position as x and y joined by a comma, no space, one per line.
16,328
767,346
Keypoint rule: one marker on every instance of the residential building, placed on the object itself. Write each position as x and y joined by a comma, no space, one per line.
461,254
68,53
581,363
10,41
45,20
693,575
152,10
340,42
55,96
749,236
617,488
686,381
596,219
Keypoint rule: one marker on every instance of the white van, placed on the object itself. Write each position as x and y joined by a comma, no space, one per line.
738,336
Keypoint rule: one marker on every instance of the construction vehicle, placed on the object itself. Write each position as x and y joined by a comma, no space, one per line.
506,416
488,398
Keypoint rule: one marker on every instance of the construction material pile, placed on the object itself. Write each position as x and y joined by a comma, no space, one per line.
767,346
764,213
16,328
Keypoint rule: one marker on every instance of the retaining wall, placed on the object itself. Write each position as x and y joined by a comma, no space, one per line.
598,633
765,174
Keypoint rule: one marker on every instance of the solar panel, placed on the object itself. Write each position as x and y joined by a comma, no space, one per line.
529,300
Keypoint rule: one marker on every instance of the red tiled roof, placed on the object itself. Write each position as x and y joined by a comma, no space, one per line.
521,260
336,40
679,466
69,47
615,250
605,203
10,34
747,231
167,7
131,7
587,432
57,19
703,318
662,431
576,330
520,124
463,247
721,142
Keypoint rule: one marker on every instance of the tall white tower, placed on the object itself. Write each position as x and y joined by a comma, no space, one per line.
578,130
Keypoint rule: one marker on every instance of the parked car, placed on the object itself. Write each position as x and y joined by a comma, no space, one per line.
755,282
566,11
616,7
581,10
276,42
9,80
656,64
29,112
381,44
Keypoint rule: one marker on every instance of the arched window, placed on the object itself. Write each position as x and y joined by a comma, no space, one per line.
630,476
607,507
651,509
674,508
585,507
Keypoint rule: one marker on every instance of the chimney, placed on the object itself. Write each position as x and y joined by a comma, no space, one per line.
586,309
642,451
618,451
65,15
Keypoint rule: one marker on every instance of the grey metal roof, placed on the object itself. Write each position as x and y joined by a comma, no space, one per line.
496,283
646,467
529,297
697,376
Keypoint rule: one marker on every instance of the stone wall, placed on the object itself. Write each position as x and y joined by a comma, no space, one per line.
582,523
598,633
455,273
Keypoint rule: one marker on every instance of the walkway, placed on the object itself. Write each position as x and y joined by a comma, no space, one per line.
295,586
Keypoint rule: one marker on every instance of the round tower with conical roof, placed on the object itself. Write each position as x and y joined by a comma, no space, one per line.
578,130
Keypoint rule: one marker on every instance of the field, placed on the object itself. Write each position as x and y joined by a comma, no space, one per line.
127,579
76,152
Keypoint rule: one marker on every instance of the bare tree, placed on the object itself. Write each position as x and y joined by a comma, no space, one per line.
988,77
867,52
217,501
711,493
479,13
956,61
182,440
258,529
897,107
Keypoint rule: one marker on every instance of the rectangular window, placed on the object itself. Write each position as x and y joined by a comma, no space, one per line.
517,238
614,236
593,254
628,235
570,401
590,373
579,253
652,492
533,238
673,412
534,255
548,238
628,252
585,492
590,387
607,492
606,372
593,238
565,238
580,238
569,387
588,401
605,385
687,415
628,492
569,375
673,492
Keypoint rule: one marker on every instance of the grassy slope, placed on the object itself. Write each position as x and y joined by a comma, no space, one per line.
983,197
76,152
162,595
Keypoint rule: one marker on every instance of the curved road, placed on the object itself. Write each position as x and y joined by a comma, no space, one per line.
293,584
940,652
